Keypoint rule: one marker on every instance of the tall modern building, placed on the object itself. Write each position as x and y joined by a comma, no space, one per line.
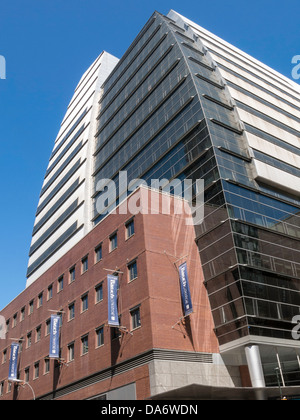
64,208
184,104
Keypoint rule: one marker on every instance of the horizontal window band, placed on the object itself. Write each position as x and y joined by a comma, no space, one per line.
56,225
216,101
153,68
96,63
184,36
70,131
192,48
230,152
267,118
206,66
263,193
64,215
228,127
205,79
271,139
60,185
133,45
148,94
181,140
165,99
148,141
175,26
59,203
157,29
264,102
79,132
69,233
133,74
63,167
84,87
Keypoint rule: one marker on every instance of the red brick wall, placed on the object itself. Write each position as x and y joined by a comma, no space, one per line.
159,241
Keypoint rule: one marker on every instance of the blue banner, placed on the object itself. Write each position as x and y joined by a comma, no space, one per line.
54,337
13,363
185,290
112,287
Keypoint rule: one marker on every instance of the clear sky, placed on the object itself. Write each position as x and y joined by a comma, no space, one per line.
48,44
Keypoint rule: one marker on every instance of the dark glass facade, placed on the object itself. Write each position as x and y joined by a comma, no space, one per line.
166,113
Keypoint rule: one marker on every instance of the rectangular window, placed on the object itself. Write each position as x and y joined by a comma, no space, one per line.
72,275
129,229
48,326
98,253
71,311
50,292
60,284
26,376
84,303
4,356
99,337
30,310
15,320
135,318
22,315
46,366
132,271
71,352
84,264
113,241
28,342
36,370
38,334
85,344
40,300
99,292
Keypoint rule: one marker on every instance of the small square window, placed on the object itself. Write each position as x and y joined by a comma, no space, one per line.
113,241
84,264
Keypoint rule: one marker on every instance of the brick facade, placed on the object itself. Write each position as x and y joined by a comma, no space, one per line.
158,242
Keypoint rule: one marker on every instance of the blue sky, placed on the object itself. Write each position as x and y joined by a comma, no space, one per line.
48,44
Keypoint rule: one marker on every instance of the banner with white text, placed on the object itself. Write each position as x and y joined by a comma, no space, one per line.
185,290
54,337
112,287
13,363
